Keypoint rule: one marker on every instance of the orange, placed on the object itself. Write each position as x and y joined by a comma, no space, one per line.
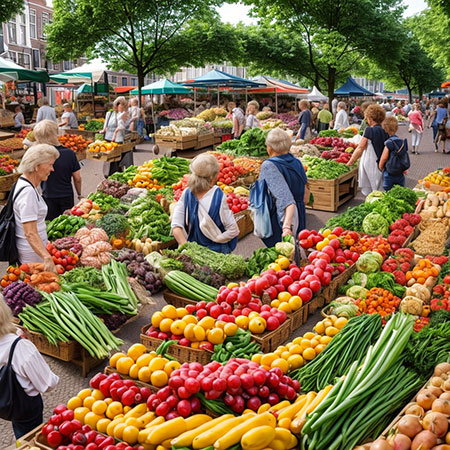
181,312
295,303
257,358
170,312
171,366
74,402
295,361
99,407
124,364
241,322
319,348
89,401
285,307
230,329
309,335
190,319
156,318
275,303
134,370
144,374
267,359
281,363
309,354
178,327
157,364
144,360
114,358
136,350
215,336
114,409
165,325
257,325
159,378
331,331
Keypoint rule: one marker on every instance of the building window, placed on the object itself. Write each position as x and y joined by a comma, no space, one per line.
36,59
12,56
45,21
134,82
113,79
56,66
23,34
24,60
66,65
23,18
12,31
124,81
33,30
2,40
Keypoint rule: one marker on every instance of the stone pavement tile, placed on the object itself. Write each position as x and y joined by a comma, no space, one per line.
70,378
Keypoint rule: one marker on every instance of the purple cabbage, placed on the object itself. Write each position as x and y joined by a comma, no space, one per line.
19,294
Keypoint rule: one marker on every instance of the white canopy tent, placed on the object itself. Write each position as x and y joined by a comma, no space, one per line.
316,96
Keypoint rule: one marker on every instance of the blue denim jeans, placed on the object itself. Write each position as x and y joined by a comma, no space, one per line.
389,181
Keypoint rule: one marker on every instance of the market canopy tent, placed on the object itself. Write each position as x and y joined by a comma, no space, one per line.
87,73
10,71
446,84
438,94
162,87
351,89
316,96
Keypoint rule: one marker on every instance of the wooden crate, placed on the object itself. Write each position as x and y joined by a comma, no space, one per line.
109,370
177,142
41,442
81,155
204,140
244,222
28,439
270,340
181,353
299,317
337,282
316,302
7,181
329,195
114,155
177,300
86,134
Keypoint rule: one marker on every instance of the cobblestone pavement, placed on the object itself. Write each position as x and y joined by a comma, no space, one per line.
70,379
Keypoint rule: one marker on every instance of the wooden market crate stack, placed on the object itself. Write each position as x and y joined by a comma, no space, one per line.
177,142
329,195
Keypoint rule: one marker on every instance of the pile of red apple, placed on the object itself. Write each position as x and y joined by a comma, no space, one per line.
237,203
401,229
242,384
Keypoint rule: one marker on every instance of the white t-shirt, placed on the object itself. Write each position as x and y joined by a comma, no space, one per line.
341,120
72,122
29,206
251,122
18,119
226,216
32,372
46,113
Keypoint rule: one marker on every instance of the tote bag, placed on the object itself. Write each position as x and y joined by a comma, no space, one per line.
398,160
261,207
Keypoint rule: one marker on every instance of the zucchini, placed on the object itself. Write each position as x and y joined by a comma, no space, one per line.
183,284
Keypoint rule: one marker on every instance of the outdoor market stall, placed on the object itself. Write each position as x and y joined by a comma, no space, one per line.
217,367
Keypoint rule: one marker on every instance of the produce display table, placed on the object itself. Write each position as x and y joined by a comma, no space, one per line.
112,156
177,142
329,195
204,140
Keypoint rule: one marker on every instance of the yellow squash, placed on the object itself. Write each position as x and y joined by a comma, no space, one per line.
166,430
258,438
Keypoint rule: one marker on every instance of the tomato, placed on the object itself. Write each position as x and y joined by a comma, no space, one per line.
58,254
69,267
64,252
54,438
64,262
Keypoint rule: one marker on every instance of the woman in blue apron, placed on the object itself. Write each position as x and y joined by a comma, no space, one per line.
287,183
202,214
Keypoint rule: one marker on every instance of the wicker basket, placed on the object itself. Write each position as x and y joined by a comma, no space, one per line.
181,353
7,181
299,317
177,300
109,370
270,340
337,282
316,302
65,351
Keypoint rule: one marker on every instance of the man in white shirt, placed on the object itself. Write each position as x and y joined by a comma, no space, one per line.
46,112
238,120
68,119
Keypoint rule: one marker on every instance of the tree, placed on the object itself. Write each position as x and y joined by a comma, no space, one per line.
9,9
336,33
139,36
430,28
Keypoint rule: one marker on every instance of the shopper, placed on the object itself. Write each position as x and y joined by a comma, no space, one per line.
288,185
416,126
57,190
251,121
68,119
304,119
370,149
440,117
394,143
341,120
19,120
45,112
325,117
364,106
202,214
31,371
30,208
133,114
238,118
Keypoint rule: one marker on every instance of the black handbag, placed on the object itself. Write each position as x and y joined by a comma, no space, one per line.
14,401
398,160
8,247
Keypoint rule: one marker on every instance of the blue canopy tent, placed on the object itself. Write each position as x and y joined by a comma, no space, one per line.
217,78
352,89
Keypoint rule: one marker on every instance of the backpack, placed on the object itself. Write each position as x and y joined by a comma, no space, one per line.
398,160
8,247
14,401
261,208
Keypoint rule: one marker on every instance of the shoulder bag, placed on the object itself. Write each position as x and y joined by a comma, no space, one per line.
398,160
14,400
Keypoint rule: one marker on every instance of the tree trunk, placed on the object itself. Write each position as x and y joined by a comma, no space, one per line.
408,87
331,83
141,76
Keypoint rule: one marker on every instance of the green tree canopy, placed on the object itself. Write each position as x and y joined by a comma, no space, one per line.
335,33
139,36
9,9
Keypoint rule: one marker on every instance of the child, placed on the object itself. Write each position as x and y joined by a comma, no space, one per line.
394,165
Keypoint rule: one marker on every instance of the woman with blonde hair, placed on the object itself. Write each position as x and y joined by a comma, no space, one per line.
287,183
202,214
370,149
30,208
32,373
251,121
57,189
